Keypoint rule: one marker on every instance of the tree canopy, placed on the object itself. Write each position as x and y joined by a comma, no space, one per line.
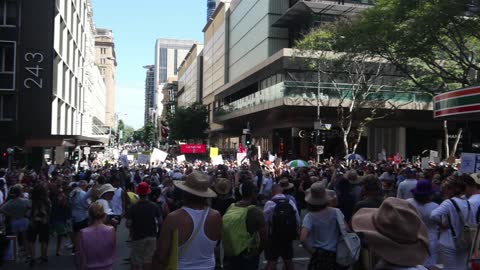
189,123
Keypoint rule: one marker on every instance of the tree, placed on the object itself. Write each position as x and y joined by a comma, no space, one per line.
138,135
149,133
435,44
189,123
127,134
357,82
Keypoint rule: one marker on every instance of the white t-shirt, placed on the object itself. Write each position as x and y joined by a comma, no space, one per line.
116,202
267,186
106,206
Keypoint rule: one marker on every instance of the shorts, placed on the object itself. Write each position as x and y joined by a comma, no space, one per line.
276,249
77,226
40,229
19,225
58,229
142,251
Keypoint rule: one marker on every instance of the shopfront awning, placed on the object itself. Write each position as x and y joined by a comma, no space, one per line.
461,104
300,11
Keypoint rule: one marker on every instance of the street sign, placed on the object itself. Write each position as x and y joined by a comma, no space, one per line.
317,125
320,149
86,150
246,131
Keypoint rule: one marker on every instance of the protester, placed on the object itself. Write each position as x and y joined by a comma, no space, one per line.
472,190
405,188
39,222
79,205
320,230
61,213
118,201
395,233
15,209
449,217
283,220
372,193
195,245
244,231
96,249
223,188
422,201
106,194
143,219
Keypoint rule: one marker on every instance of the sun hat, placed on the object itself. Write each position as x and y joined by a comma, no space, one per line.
394,231
223,186
318,195
423,188
476,177
105,189
196,184
285,184
143,189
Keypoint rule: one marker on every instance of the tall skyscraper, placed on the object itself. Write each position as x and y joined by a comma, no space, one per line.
149,92
211,5
107,61
169,54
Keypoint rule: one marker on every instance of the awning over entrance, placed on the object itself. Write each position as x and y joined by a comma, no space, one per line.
327,7
461,104
60,140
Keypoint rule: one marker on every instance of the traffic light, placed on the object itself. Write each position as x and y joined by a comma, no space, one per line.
4,154
76,155
248,139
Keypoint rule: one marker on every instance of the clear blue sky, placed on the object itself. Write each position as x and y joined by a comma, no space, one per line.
136,25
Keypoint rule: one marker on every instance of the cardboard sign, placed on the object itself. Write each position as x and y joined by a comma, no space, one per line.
433,155
181,158
158,155
218,160
425,162
271,158
240,157
213,152
468,163
143,159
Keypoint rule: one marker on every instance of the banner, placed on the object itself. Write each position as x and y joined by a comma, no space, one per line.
193,149
213,152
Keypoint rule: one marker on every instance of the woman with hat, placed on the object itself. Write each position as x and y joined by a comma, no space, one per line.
319,229
422,201
395,233
199,227
222,187
106,193
450,220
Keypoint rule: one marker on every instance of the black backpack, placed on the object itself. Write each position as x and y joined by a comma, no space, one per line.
284,220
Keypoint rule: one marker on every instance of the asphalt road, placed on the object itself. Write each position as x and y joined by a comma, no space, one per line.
67,262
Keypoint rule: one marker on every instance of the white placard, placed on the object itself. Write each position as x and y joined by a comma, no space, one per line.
218,160
433,155
158,155
143,159
130,157
271,158
181,158
240,157
425,162
468,163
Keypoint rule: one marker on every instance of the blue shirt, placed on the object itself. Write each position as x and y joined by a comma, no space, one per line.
79,204
322,228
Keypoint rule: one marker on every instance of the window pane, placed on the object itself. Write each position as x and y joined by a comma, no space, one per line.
8,107
6,81
2,12
7,59
11,13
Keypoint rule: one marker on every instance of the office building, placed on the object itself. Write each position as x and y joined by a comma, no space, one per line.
107,61
149,93
190,77
250,76
43,75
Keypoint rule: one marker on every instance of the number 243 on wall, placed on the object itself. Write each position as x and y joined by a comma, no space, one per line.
33,79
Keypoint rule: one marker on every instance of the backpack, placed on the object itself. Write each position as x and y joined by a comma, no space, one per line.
284,220
464,240
348,245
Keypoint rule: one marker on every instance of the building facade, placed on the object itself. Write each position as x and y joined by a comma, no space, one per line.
43,75
250,78
107,61
149,93
190,77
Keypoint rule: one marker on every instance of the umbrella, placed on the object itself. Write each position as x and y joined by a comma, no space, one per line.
354,157
298,163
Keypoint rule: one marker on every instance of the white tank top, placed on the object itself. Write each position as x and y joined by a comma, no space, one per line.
199,254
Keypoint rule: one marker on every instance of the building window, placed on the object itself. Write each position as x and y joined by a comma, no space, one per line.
7,65
175,64
102,71
103,61
7,108
103,50
8,12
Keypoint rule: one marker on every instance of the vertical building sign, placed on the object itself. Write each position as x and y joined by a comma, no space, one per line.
35,66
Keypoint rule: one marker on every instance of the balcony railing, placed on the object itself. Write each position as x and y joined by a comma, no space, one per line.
329,91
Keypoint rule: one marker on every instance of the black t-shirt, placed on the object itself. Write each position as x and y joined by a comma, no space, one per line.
143,215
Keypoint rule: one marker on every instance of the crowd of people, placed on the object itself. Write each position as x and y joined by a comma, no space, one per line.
199,216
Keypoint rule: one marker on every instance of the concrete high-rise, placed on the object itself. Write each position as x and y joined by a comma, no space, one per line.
107,62
169,54
149,93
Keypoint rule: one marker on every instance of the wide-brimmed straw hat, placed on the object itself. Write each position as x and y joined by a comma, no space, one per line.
394,231
318,195
476,177
285,184
105,189
196,184
223,186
